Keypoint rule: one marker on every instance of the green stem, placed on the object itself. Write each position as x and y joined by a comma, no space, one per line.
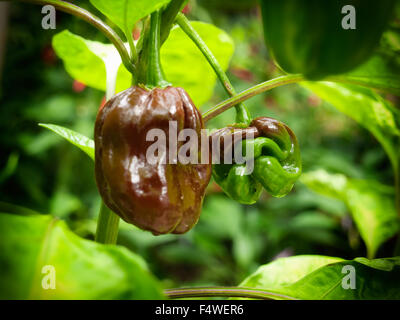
168,17
224,292
150,72
243,114
94,21
132,46
249,93
397,188
107,226
108,221
129,37
396,170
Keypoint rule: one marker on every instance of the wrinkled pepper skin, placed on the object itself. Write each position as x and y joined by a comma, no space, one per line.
161,197
307,37
277,161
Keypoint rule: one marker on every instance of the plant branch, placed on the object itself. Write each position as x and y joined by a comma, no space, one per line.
249,93
243,115
108,221
129,37
94,21
132,47
107,226
224,292
168,17
150,72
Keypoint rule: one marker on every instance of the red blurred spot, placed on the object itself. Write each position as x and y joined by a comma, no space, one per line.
314,100
270,102
186,9
136,33
102,103
243,74
213,188
254,49
48,55
78,86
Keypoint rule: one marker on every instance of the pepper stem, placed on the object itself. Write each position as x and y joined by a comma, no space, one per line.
250,293
150,72
242,113
107,226
249,93
168,17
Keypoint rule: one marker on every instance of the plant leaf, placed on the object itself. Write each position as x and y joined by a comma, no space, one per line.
10,167
125,13
16,209
379,72
185,66
77,139
371,204
367,108
83,269
319,277
88,61
286,271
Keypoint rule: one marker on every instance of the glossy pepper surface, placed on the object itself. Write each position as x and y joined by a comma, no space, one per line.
276,155
307,37
161,197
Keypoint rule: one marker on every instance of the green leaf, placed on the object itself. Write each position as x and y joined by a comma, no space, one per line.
77,139
83,269
371,204
125,13
286,271
379,73
183,63
88,61
16,209
319,277
10,167
185,66
367,108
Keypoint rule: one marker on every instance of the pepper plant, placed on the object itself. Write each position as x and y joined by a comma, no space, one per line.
154,80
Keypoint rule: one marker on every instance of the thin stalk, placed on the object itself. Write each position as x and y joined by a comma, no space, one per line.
243,114
132,46
107,226
108,221
129,37
150,72
249,93
396,170
224,292
94,21
397,188
168,17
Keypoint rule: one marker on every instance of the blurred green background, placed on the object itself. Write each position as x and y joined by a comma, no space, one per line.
42,172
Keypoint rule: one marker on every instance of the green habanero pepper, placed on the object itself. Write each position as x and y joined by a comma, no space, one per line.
307,36
276,159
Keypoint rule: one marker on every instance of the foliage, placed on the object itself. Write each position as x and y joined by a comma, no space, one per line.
345,206
83,269
87,60
320,277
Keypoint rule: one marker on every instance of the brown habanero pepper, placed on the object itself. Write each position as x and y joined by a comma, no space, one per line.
159,197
